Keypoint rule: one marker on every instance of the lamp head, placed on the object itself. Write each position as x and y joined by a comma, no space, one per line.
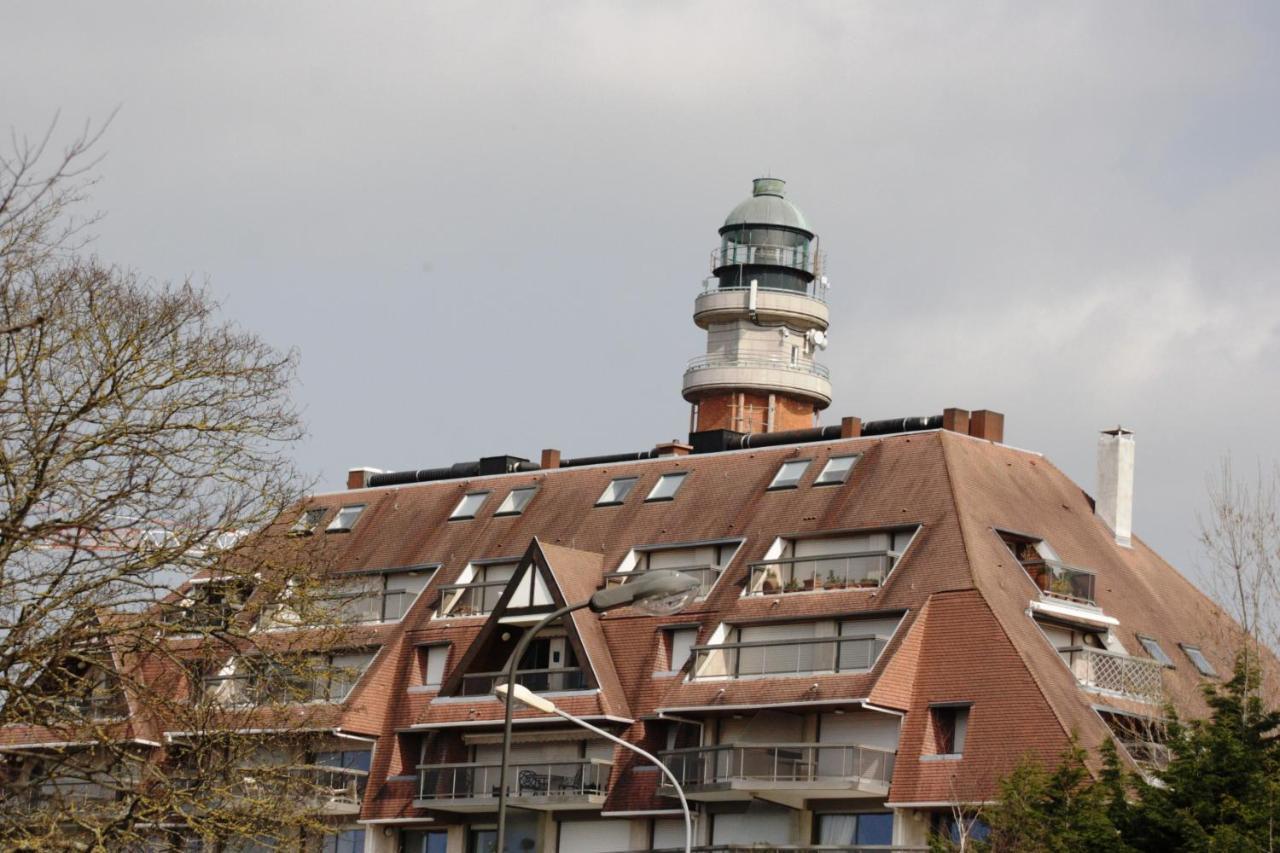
525,696
659,593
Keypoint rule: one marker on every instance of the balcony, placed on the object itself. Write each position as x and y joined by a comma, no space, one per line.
1060,581
470,599
1137,679
800,309
546,786
538,680
859,570
388,606
792,848
802,376
789,772
800,656
707,576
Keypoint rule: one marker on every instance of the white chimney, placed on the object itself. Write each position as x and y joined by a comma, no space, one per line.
1114,501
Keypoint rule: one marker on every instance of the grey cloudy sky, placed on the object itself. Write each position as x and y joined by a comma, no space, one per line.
483,224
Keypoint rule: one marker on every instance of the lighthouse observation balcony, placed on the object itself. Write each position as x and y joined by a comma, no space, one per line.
761,373
800,257
798,310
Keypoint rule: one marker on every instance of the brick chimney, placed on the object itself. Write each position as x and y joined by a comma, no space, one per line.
1114,501
986,424
358,478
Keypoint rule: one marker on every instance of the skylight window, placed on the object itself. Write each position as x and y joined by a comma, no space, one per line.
308,521
836,470
667,486
617,490
788,476
1155,651
345,519
516,501
1201,662
468,506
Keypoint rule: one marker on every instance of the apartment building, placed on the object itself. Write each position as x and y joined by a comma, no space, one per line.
889,614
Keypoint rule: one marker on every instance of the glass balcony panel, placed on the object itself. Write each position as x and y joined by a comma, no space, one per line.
787,657
862,570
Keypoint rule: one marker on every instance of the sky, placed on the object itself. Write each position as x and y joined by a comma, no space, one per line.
483,225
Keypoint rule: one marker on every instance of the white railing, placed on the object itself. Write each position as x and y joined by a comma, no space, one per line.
707,362
1111,672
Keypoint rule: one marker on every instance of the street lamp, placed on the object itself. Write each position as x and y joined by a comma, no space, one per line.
527,697
659,593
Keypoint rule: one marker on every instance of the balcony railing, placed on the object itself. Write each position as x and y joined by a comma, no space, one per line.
388,606
76,791
262,689
742,764
793,848
793,257
470,599
706,362
857,570
813,290
707,576
1110,672
1058,580
1148,754
566,780
335,788
537,680
800,656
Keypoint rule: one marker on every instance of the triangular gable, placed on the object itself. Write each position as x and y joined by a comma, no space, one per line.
490,651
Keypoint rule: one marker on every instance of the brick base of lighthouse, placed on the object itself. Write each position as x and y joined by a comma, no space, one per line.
743,411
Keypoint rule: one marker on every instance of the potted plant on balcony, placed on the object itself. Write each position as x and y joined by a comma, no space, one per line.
793,585
834,582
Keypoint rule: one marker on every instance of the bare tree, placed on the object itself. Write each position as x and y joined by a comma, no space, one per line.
144,441
1241,538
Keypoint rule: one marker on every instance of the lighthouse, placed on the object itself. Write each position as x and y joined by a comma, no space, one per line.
765,312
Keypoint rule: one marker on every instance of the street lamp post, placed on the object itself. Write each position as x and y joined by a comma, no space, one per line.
658,592
527,697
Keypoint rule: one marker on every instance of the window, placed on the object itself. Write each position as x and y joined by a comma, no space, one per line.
425,841
432,660
345,841
1153,649
1201,662
868,828
308,521
617,490
345,519
667,486
950,725
789,474
468,506
516,501
345,670
679,643
836,470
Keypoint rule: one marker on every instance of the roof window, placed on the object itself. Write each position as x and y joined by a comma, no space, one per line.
617,490
468,506
345,519
308,521
1155,651
1201,662
667,486
836,470
515,502
789,474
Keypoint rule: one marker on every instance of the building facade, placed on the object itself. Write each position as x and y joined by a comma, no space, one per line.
889,616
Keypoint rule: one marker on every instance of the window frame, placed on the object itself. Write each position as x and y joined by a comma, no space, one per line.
777,484
1159,655
955,709
333,526
600,501
819,481
679,476
483,494
302,528
1199,660
501,513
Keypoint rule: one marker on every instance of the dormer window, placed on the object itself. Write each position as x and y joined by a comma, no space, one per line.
617,490
345,519
308,521
1056,580
667,486
468,506
515,502
836,471
789,474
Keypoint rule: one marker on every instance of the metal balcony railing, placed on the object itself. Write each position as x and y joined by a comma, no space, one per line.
706,362
773,763
813,290
252,689
334,786
1122,675
76,791
707,576
387,606
567,780
792,257
801,656
858,570
1058,580
538,680
477,598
